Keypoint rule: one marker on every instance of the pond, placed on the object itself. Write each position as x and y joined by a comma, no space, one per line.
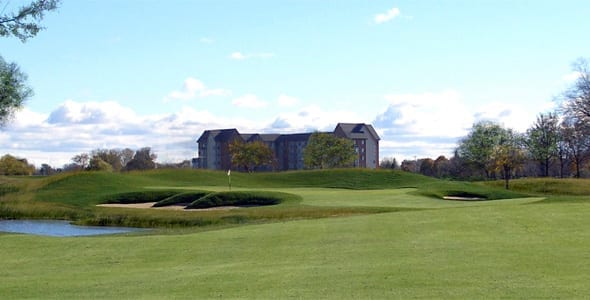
59,228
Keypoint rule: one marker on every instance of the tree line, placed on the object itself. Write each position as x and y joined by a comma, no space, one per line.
557,144
111,160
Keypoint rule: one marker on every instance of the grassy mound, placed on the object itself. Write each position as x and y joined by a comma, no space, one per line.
250,198
317,194
182,198
548,186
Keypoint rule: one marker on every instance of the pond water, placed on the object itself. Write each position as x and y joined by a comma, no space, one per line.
58,228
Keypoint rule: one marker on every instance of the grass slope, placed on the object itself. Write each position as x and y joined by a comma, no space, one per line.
495,251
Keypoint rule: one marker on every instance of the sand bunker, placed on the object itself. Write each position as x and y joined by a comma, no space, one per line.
170,207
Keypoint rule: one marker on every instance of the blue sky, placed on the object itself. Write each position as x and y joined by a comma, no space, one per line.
113,74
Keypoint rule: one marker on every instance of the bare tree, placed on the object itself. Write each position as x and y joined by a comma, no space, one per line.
577,97
577,140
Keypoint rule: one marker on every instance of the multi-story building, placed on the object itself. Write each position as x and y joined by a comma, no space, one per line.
288,148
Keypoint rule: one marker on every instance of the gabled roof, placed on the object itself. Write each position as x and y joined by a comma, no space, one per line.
357,130
218,135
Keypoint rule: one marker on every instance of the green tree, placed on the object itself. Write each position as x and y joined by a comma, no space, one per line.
508,155
324,151
97,164
478,147
251,155
142,160
24,23
13,90
10,165
541,140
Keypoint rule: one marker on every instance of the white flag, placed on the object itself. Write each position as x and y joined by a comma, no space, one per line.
228,172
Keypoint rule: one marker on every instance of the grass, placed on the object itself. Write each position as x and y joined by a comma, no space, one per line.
381,235
74,196
495,251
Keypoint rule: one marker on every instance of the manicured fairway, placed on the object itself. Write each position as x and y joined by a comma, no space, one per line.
429,248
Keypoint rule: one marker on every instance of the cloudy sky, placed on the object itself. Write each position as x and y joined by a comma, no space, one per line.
114,74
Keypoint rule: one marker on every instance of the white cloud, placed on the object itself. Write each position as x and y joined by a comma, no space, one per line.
206,40
511,115
78,127
312,118
240,56
193,88
387,16
431,124
237,55
249,101
427,115
71,112
287,101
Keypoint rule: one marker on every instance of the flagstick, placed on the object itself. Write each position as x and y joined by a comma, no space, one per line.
229,179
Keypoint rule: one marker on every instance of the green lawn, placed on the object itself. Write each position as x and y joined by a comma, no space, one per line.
394,243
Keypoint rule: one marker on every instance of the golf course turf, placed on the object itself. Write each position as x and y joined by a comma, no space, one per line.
352,234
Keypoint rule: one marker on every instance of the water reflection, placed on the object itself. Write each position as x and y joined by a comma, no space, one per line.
58,228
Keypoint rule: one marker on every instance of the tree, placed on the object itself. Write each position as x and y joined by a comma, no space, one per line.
442,166
324,151
97,164
251,155
13,90
541,140
508,155
142,160
46,170
576,136
577,97
427,167
23,23
478,147
389,163
81,160
410,165
10,165
126,155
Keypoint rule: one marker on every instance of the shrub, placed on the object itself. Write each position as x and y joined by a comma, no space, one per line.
237,199
181,198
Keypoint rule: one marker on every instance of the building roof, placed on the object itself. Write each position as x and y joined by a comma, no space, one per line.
350,130
357,130
218,134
